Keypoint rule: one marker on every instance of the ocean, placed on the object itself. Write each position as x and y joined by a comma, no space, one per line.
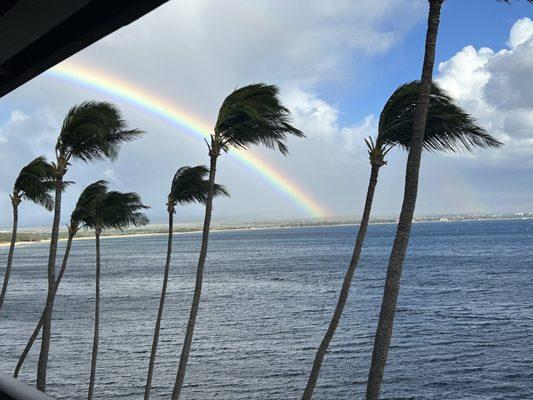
463,329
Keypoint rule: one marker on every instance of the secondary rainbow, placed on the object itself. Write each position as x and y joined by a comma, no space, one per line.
142,98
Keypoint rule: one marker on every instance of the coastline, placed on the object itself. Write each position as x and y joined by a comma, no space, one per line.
114,235
147,234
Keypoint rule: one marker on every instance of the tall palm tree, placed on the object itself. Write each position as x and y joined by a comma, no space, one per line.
403,230
249,116
189,185
448,128
89,194
394,270
91,131
111,210
34,183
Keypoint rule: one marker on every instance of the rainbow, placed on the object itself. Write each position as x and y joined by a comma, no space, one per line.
111,85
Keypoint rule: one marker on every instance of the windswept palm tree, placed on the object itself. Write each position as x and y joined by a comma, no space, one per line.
448,128
384,329
34,183
249,116
111,210
91,131
88,196
189,185
403,230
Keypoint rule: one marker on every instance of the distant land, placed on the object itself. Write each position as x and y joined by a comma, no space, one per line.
43,234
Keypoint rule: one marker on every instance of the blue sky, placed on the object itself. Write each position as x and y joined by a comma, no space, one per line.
481,23
336,62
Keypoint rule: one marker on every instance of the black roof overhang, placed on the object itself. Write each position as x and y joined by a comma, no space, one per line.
37,34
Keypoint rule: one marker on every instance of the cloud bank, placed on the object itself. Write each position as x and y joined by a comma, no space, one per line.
497,88
194,53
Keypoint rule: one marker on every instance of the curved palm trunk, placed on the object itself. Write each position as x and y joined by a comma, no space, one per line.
37,329
161,305
11,250
399,248
343,297
198,287
96,318
47,320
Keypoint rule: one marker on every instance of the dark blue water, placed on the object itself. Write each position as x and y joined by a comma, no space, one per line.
463,328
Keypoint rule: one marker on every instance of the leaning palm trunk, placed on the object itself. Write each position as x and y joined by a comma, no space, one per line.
96,318
161,305
15,201
343,297
199,278
392,284
37,329
47,320
91,131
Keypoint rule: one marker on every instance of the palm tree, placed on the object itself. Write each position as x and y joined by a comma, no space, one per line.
249,116
448,128
111,210
34,183
403,230
188,186
89,194
91,131
394,270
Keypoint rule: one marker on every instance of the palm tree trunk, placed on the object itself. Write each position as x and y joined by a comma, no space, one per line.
343,297
392,283
96,319
37,329
198,287
47,320
161,305
11,250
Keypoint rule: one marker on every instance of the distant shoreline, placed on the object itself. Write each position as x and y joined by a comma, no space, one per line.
147,234
281,225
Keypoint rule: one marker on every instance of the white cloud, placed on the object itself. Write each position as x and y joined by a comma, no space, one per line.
198,50
193,52
320,122
520,32
496,87
110,175
17,116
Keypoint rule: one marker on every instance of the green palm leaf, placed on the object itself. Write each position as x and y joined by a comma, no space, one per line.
86,204
35,183
121,210
99,209
92,131
253,115
190,185
448,127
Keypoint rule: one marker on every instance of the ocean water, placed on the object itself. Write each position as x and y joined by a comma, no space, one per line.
463,330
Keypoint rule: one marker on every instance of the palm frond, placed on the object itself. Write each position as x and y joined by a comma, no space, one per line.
35,183
190,185
448,127
45,200
254,115
85,208
219,190
93,131
120,210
